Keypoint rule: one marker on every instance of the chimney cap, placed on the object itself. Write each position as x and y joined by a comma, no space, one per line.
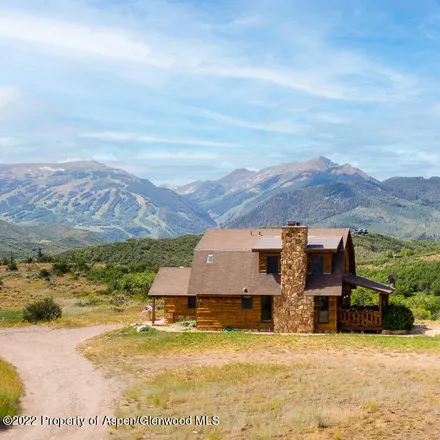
293,223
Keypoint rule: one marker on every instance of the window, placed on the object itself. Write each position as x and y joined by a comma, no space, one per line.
246,302
323,309
209,258
272,264
317,264
266,309
192,301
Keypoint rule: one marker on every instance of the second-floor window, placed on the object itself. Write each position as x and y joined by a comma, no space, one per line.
272,264
317,264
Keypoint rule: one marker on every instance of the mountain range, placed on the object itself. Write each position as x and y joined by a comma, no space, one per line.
112,204
92,196
322,193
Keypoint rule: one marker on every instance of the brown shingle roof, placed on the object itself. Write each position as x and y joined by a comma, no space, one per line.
324,285
235,267
233,239
171,281
314,242
241,239
229,273
369,284
328,284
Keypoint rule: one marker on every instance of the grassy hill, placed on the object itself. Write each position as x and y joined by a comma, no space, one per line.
152,252
416,264
23,241
378,247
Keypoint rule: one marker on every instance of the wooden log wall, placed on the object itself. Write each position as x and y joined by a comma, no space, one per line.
332,325
176,309
216,313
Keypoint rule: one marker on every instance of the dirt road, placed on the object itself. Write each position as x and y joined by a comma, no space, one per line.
59,382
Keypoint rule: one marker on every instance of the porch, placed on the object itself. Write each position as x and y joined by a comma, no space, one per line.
360,319
363,318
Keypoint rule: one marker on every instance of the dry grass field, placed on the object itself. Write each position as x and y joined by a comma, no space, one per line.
275,386
11,390
261,386
83,303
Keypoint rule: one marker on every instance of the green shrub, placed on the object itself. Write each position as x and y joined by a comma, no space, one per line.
45,310
44,273
137,283
398,317
12,265
60,268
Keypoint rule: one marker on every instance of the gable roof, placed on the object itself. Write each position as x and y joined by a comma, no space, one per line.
229,273
171,281
233,239
234,265
274,243
247,239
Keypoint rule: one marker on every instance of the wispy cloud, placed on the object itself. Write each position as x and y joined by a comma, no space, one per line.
204,90
136,137
178,155
110,43
288,79
8,95
274,127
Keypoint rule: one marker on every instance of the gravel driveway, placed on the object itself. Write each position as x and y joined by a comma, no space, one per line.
59,382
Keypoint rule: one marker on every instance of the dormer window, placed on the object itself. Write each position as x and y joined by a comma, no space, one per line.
272,264
317,264
209,258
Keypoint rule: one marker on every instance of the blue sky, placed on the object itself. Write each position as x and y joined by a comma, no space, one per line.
177,90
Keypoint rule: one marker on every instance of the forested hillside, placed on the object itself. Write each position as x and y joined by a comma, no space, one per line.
153,252
24,241
416,264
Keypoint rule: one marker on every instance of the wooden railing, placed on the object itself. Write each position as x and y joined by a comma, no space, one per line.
359,319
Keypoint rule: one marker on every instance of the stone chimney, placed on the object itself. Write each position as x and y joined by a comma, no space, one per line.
293,312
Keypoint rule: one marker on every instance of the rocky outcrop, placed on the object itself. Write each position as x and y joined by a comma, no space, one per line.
293,312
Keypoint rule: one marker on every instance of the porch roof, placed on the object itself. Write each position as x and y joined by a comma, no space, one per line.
368,284
171,281
323,285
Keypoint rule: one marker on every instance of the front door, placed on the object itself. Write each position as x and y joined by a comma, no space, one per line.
266,309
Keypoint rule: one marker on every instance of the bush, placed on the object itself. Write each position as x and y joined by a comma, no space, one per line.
44,310
60,268
12,264
137,283
397,317
44,273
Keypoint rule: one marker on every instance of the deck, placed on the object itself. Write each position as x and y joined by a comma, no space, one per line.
360,319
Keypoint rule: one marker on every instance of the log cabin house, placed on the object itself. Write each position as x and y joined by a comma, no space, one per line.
292,279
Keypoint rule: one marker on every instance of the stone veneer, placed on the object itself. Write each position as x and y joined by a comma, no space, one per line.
293,312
